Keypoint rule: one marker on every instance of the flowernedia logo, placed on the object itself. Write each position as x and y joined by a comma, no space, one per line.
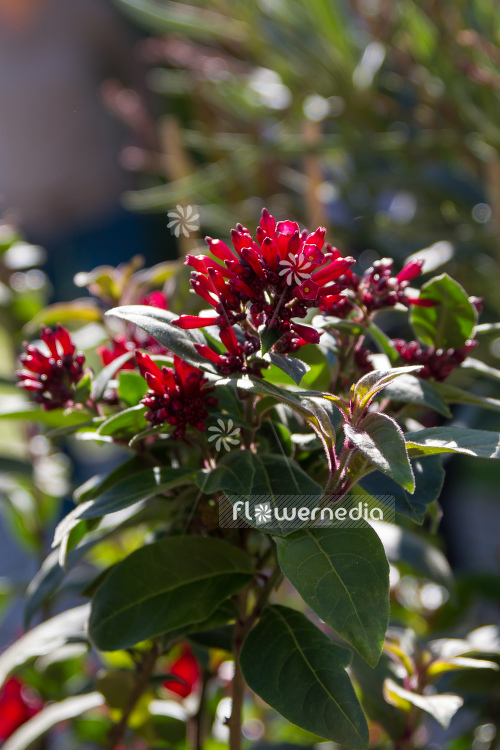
225,435
285,512
185,220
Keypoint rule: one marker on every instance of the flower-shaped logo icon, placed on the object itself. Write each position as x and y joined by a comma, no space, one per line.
262,513
224,434
185,220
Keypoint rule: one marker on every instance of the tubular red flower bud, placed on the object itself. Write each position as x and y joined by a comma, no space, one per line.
420,301
146,364
268,224
270,252
203,292
228,338
410,271
209,354
188,322
317,238
331,272
219,249
305,332
187,671
251,257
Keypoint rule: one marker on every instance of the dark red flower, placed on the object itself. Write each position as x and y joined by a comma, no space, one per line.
437,363
51,378
17,705
179,397
187,669
118,346
266,283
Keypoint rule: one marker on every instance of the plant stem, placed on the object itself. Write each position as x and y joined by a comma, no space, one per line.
145,671
238,683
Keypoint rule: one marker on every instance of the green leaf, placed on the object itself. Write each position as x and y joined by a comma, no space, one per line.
381,441
343,575
157,323
411,390
131,387
475,365
52,714
52,572
480,443
300,673
269,337
370,384
45,638
128,421
318,376
383,342
129,491
52,418
441,707
82,310
403,546
250,480
454,395
101,382
295,369
164,586
448,324
429,478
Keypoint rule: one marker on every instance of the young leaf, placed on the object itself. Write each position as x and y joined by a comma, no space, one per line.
300,673
163,586
451,322
441,707
343,575
370,384
381,441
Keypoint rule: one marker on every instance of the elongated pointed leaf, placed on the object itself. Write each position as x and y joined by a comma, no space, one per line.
157,323
481,443
381,441
411,390
127,492
343,575
454,395
300,673
370,384
441,707
164,586
52,714
45,639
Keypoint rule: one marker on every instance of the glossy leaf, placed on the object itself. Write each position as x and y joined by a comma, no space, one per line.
131,387
411,390
429,478
481,443
343,575
300,673
381,441
163,586
451,322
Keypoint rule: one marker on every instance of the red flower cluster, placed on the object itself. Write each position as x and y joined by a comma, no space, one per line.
179,397
122,344
188,673
437,363
51,378
263,284
16,707
376,288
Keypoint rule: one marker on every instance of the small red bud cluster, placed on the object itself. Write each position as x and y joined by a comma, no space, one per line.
437,363
51,378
